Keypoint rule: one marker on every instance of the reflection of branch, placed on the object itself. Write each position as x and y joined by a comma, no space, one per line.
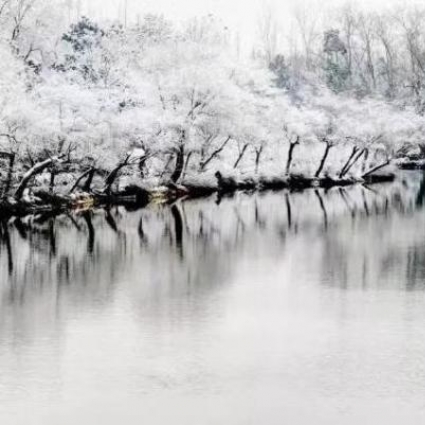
6,239
288,210
141,232
322,206
178,227
73,221
344,197
421,193
21,228
111,221
366,207
88,219
52,237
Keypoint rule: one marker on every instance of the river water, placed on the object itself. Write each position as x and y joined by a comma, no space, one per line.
274,308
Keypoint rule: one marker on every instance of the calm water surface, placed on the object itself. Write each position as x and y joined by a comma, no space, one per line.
303,308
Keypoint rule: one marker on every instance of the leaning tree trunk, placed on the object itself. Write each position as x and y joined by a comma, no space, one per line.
89,174
291,155
32,172
258,153
186,165
178,170
377,168
346,166
214,154
323,161
354,161
110,180
241,155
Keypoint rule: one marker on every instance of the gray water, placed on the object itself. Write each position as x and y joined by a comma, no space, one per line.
302,308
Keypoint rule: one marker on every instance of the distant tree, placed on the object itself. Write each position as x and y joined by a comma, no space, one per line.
84,41
336,69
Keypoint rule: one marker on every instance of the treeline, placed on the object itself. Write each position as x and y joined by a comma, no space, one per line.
180,100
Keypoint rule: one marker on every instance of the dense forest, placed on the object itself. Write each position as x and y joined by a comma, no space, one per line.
102,105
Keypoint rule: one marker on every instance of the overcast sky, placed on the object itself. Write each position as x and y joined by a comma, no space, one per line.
240,15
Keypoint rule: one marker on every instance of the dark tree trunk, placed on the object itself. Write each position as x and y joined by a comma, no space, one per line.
36,169
186,166
178,170
214,154
354,161
110,180
89,181
87,173
346,166
258,153
323,161
142,165
377,168
366,157
290,155
241,155
52,179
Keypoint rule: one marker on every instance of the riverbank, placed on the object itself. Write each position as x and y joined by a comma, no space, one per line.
133,196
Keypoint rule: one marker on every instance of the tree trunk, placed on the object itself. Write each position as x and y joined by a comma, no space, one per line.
323,161
89,181
110,180
52,179
347,164
258,153
81,178
366,157
214,154
186,166
178,171
354,161
241,155
290,155
37,169
377,168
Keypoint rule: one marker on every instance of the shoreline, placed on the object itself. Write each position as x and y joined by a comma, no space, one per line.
137,197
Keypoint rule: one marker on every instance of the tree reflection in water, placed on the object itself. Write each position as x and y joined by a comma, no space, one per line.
354,237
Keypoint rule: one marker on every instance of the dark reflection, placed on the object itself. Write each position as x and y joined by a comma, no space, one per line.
353,237
87,216
5,239
421,193
178,228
